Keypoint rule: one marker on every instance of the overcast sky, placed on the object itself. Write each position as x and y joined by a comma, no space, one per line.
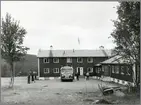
61,23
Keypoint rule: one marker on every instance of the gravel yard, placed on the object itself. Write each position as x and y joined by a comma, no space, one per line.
53,92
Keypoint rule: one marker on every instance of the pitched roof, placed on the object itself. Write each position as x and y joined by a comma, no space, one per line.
115,60
75,53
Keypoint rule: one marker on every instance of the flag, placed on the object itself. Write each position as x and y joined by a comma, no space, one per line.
78,41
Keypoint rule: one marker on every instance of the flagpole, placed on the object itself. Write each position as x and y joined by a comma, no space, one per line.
78,43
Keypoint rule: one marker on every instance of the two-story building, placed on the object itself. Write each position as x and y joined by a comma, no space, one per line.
50,61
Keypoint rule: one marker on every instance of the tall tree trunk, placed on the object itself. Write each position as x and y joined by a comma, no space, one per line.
138,76
12,74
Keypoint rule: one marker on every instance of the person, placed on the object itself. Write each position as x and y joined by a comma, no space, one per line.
28,78
35,75
84,75
32,75
77,76
87,76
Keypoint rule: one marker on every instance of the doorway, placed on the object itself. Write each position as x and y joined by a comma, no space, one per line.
80,70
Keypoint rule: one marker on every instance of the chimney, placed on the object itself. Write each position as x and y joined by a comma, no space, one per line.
50,53
64,53
73,50
51,47
102,49
39,50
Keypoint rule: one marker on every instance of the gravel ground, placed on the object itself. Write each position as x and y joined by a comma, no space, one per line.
53,92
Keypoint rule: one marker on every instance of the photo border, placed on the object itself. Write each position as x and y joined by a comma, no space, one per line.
52,0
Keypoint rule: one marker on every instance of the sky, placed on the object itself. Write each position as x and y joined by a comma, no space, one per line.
62,23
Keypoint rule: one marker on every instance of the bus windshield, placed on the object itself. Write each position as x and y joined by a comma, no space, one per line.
67,70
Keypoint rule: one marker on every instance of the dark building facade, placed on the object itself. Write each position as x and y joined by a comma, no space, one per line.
116,68
50,61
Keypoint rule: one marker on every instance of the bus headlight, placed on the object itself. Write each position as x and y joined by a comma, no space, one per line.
70,76
62,75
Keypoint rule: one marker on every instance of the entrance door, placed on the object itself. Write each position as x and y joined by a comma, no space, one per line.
80,70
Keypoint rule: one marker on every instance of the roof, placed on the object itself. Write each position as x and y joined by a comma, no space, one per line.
66,67
115,60
75,53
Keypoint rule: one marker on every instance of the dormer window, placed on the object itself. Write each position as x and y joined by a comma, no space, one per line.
46,60
55,60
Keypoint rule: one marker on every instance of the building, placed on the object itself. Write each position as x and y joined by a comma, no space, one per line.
50,61
117,69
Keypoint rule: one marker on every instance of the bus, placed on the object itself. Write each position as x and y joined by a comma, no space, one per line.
67,73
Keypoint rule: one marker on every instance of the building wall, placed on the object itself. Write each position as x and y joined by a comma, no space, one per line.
63,62
120,76
98,71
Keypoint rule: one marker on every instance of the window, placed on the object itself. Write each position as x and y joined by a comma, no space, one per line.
128,70
90,69
98,70
46,70
79,60
56,70
113,69
122,70
90,60
46,60
103,68
117,69
56,60
69,60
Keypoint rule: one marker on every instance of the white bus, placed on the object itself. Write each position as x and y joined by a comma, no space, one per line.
67,73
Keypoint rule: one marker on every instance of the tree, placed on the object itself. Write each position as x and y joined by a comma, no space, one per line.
12,49
4,70
127,32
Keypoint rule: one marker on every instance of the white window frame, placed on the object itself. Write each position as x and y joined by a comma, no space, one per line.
122,72
103,68
69,60
117,69
47,70
57,60
46,60
113,69
128,70
91,60
81,60
55,69
91,69
98,70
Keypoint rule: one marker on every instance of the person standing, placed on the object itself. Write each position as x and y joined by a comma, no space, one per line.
77,76
84,75
35,75
28,77
32,77
87,76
